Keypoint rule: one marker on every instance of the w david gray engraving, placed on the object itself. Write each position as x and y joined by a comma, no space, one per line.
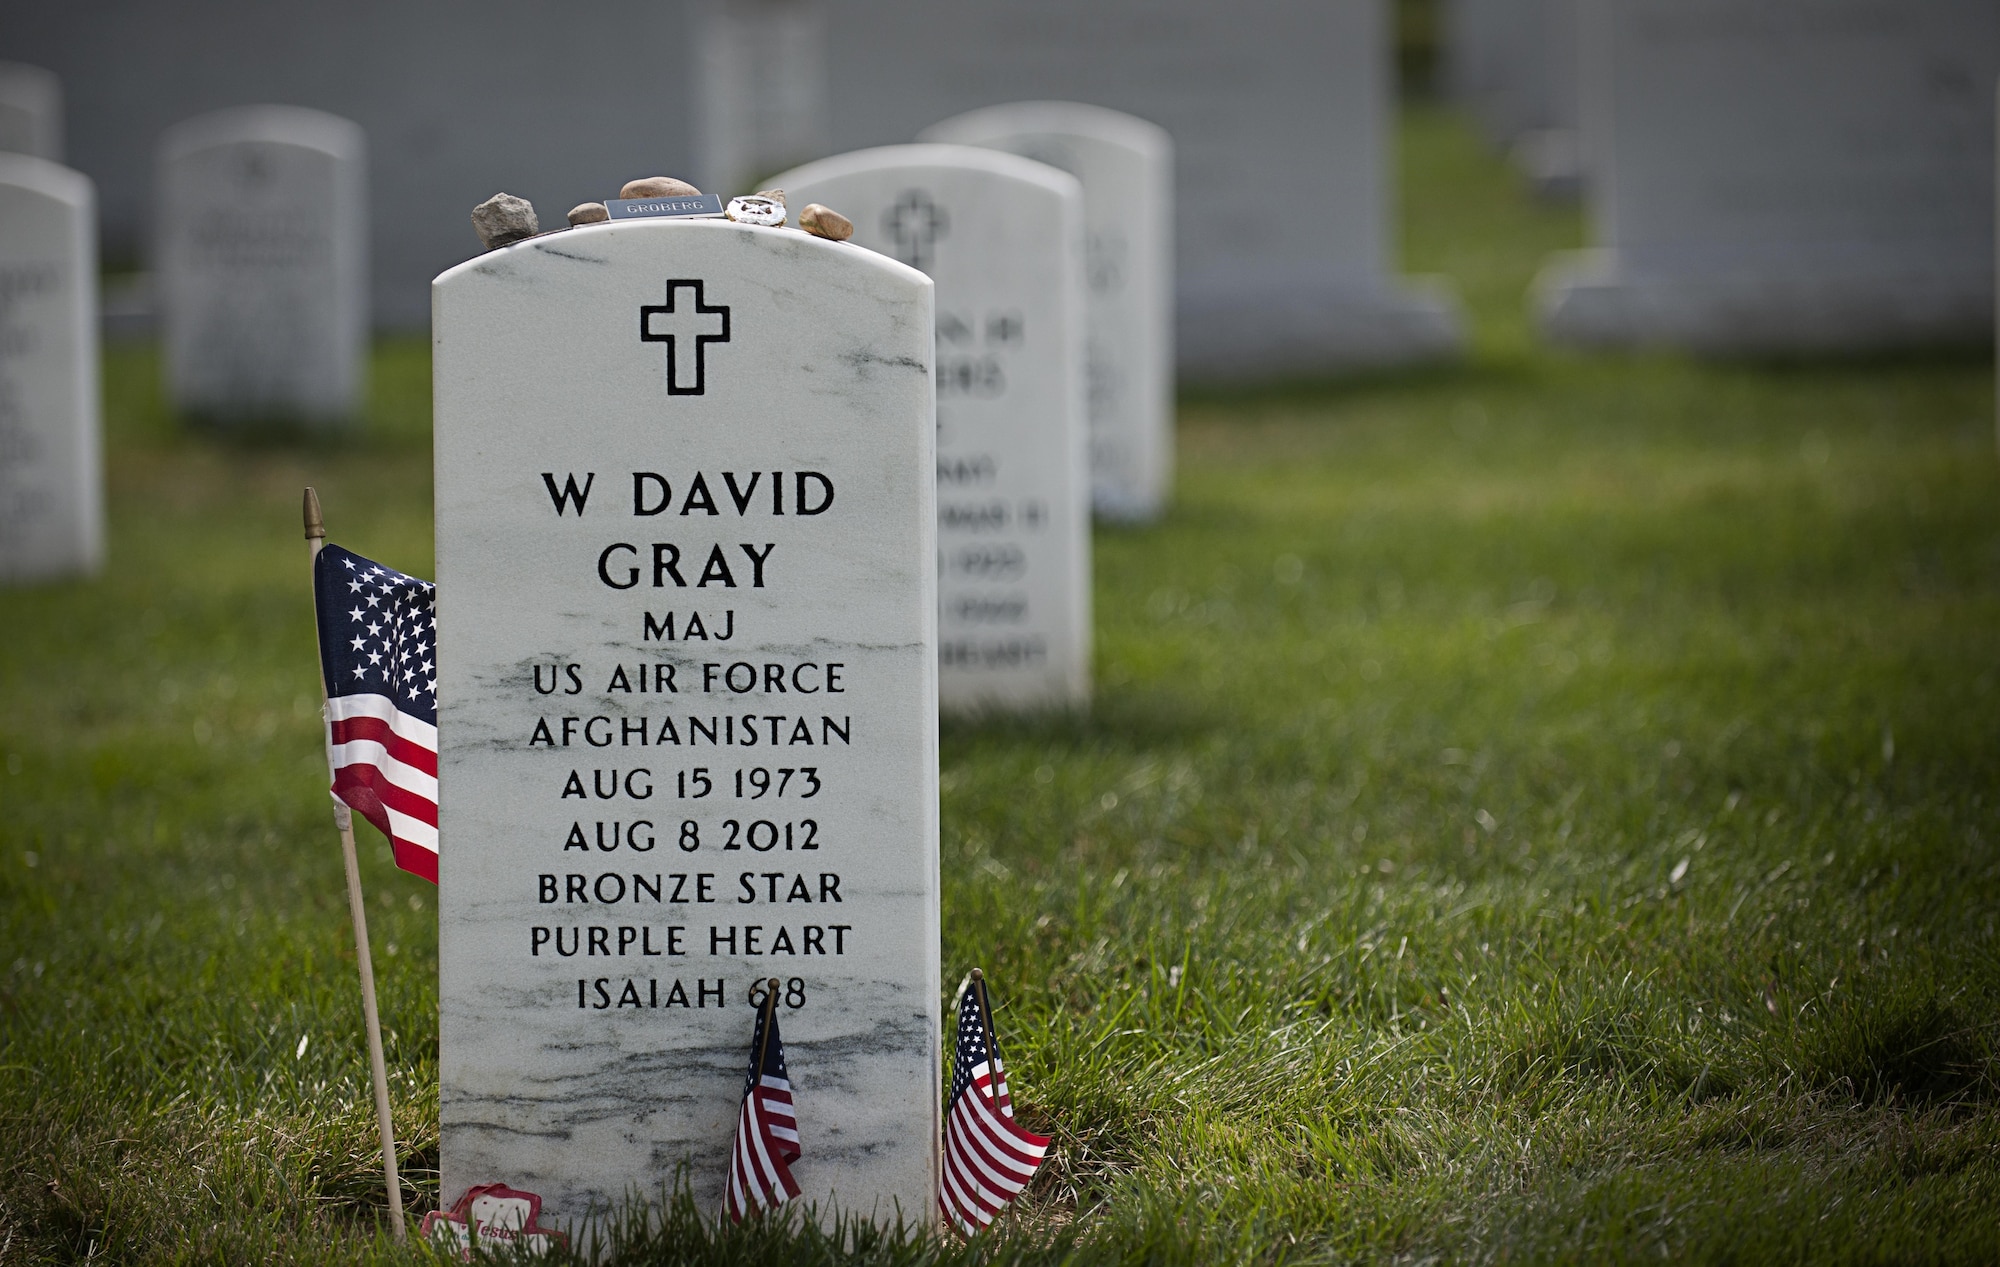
688,647
51,464
1003,237
1125,165
263,260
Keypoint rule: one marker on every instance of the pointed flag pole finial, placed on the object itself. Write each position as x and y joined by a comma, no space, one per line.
315,525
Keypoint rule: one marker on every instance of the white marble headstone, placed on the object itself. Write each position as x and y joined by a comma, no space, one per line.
1513,63
1125,165
1282,114
51,468
263,265
686,557
1784,175
30,111
1003,238
760,90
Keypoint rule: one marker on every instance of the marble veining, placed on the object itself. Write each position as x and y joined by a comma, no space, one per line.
592,1046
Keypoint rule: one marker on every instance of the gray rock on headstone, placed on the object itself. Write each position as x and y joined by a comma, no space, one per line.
1282,115
504,219
1003,238
51,465
687,642
1125,166
1784,176
30,111
263,265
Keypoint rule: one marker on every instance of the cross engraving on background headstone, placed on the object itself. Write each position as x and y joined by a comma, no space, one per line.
916,223
665,323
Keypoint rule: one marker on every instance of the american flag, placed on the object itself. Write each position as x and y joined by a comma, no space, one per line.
378,655
767,1132
988,1157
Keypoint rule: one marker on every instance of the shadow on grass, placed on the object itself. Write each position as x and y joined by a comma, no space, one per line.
1133,721
1820,367
1156,1227
279,436
672,1229
1537,369
1324,390
1913,1048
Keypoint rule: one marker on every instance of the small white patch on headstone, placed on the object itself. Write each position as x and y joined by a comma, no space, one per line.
1125,166
687,642
30,111
51,465
263,265
1003,238
1785,175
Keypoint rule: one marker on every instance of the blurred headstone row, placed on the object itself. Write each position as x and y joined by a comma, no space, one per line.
1759,175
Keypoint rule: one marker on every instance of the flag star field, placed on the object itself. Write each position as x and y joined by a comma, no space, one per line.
378,656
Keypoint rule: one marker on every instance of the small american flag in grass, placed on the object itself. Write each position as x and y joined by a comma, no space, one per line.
767,1132
378,654
988,1158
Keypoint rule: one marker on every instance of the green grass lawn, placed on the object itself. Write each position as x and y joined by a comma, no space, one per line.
1534,811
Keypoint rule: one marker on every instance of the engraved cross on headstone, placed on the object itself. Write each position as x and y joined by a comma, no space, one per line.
674,320
916,223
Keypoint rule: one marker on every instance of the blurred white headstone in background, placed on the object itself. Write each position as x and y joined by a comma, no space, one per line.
760,90
263,265
1283,121
1513,63
1784,175
30,111
1125,165
51,468
1003,239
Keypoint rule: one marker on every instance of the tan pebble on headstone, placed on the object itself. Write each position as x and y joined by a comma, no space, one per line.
588,213
503,218
825,222
657,187
775,195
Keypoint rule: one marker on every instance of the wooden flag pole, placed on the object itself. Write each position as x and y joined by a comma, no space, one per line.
343,818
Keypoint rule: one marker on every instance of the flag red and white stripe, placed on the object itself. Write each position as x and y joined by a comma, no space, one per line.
767,1143
989,1158
385,769
767,1128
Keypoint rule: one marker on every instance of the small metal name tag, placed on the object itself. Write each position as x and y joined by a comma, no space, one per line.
647,208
